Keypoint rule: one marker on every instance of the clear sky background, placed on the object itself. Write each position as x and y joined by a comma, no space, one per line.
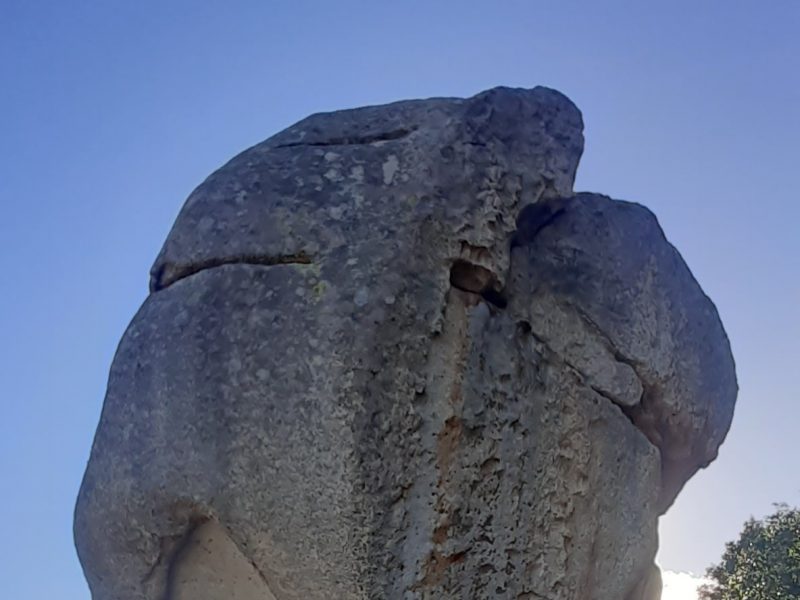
111,112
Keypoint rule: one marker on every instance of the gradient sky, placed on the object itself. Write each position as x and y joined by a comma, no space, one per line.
111,112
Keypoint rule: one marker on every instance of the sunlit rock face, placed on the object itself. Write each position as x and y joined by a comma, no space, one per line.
388,353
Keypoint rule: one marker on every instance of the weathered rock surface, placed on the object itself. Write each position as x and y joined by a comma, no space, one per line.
388,353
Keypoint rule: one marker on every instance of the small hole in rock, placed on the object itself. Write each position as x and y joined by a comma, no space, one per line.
492,296
475,279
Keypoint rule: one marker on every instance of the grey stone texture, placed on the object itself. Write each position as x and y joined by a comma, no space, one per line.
388,353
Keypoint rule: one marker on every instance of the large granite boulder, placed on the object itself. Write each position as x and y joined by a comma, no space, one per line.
388,353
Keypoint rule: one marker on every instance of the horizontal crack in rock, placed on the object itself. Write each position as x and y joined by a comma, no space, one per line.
355,140
167,274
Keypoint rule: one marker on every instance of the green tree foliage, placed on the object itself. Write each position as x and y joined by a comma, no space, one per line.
763,564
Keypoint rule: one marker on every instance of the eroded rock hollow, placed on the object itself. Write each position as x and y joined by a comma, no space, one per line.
389,353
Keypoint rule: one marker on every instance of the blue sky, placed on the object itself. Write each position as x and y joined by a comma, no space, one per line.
111,112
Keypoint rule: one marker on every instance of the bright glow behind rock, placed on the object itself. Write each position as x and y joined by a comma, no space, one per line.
681,586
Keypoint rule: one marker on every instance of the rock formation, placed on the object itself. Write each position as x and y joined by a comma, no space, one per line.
388,353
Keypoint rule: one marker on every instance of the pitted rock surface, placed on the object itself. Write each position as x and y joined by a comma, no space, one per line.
388,353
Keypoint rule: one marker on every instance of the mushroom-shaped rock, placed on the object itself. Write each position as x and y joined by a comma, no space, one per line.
388,353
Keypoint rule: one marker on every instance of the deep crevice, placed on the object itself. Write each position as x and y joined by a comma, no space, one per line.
475,279
629,412
494,297
625,410
633,413
673,473
167,274
610,346
356,140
